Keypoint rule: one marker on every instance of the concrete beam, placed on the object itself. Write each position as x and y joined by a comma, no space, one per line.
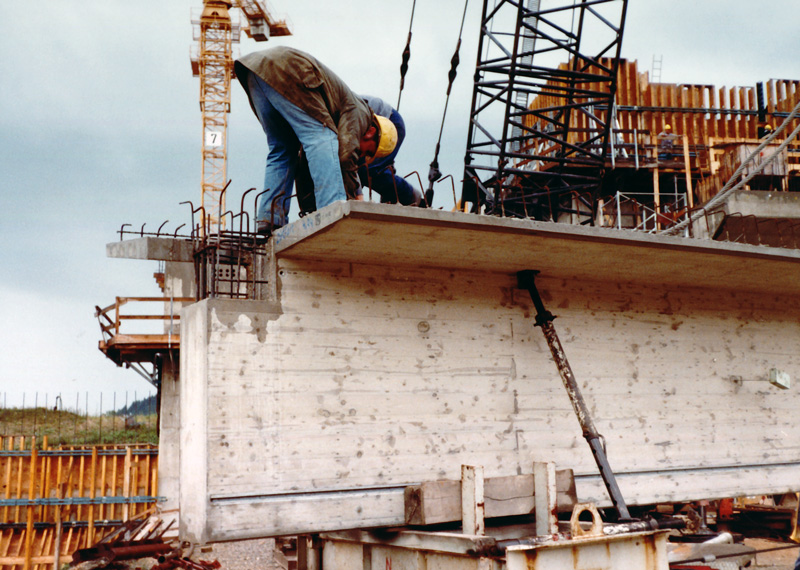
399,347
365,232
152,248
764,204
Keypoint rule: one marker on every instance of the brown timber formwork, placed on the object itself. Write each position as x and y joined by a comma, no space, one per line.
68,498
706,115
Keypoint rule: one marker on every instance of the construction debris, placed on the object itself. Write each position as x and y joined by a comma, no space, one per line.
138,544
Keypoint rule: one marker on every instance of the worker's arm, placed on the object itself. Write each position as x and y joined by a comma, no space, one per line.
351,183
353,123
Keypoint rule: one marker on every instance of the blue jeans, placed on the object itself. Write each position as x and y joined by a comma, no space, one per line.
380,175
288,127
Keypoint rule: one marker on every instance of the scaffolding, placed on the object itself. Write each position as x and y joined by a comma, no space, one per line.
540,162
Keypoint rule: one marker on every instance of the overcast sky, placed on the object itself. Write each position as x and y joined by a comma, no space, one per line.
100,126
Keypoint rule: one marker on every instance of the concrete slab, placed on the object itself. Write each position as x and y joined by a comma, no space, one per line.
764,204
153,248
365,232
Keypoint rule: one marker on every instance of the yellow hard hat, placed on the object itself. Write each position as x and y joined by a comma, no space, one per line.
387,136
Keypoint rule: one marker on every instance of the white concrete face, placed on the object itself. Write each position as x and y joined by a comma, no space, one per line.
764,204
180,279
313,413
193,401
169,444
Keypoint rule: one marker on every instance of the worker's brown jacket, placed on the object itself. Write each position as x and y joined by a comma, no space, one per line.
319,92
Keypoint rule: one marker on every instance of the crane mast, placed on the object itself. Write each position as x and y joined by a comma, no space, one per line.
216,32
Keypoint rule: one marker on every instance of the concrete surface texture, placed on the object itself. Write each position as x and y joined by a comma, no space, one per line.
368,370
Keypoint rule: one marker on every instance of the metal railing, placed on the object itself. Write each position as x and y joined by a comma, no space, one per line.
639,211
111,317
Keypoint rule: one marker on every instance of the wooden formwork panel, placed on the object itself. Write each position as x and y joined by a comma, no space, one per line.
40,555
83,488
644,108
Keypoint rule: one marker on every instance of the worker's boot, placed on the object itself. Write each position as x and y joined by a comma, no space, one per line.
264,228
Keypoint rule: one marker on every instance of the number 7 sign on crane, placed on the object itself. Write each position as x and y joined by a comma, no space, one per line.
216,32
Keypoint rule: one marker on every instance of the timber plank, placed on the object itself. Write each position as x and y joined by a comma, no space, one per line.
6,537
722,120
126,484
116,510
17,545
8,472
435,502
104,485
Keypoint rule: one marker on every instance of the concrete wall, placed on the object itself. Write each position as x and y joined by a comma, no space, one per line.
179,281
169,443
765,204
780,205
313,412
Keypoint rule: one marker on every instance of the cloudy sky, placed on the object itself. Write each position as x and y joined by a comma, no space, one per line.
100,126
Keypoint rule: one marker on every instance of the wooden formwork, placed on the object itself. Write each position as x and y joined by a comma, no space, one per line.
66,498
700,112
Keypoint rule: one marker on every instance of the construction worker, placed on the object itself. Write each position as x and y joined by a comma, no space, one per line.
301,103
666,143
379,175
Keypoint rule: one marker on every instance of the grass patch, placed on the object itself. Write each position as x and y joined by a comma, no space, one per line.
63,427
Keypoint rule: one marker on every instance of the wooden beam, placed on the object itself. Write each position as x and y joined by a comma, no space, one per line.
688,171
472,500
435,502
29,516
20,560
308,556
92,494
545,497
656,193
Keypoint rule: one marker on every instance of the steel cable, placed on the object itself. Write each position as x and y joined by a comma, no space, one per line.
434,173
406,56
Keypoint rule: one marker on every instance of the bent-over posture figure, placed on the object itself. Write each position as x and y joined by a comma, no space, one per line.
380,174
301,103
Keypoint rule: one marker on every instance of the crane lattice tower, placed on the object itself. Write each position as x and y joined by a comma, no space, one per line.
216,33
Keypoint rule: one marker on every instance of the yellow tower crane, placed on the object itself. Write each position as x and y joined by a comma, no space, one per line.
216,32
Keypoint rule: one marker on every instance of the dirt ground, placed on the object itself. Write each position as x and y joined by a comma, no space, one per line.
245,555
776,560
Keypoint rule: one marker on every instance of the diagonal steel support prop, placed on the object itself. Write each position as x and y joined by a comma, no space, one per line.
544,319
